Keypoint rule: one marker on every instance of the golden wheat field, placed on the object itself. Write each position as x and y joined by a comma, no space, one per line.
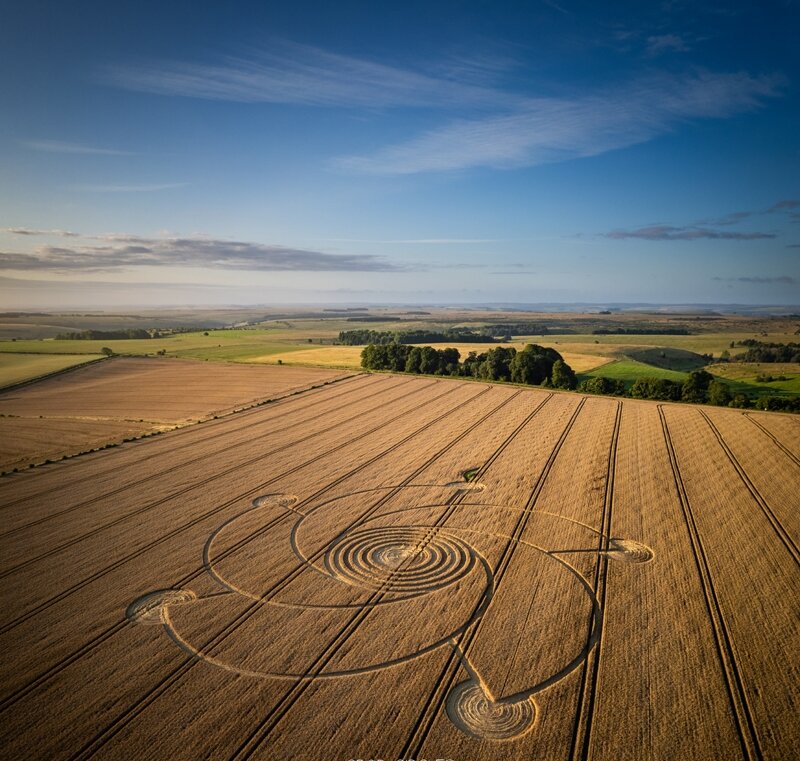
316,578
108,402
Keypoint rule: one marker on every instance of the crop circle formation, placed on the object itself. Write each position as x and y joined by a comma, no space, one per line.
472,711
403,559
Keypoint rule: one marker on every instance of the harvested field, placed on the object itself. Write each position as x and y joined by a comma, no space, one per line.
16,368
109,401
24,440
316,579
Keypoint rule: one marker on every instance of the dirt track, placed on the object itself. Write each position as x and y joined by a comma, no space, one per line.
314,579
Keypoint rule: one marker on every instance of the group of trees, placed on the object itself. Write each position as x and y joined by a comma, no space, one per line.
763,351
366,336
542,366
108,335
641,332
517,329
534,365
701,387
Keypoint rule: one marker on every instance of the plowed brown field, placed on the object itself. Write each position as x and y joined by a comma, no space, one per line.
315,579
125,397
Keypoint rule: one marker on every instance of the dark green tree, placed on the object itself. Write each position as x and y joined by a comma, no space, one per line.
531,366
448,359
562,375
695,387
719,394
740,400
414,360
496,364
602,385
428,360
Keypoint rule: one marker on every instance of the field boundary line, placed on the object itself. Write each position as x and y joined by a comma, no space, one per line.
123,719
123,623
433,704
185,489
788,452
724,645
584,716
173,433
777,526
53,373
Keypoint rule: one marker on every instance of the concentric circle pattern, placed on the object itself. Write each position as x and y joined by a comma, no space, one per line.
402,559
475,714
629,551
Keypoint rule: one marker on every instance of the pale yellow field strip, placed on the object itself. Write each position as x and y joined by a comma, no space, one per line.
755,579
674,705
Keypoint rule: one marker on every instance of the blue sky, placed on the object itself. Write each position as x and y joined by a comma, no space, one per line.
209,153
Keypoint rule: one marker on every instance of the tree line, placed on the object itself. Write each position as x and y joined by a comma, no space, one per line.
763,351
533,365
701,387
541,366
385,337
641,332
98,335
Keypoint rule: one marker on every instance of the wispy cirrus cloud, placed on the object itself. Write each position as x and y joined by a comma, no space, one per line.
414,241
136,188
789,203
544,130
34,231
59,146
291,73
519,130
658,44
757,280
668,232
119,251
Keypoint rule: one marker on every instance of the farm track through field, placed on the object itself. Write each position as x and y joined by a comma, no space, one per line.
791,455
194,485
184,432
432,705
199,571
783,535
262,732
179,672
584,714
174,532
745,725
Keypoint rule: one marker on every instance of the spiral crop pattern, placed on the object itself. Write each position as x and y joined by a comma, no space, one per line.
474,713
400,559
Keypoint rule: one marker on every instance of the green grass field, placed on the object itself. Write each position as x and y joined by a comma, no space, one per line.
310,342
701,343
221,345
15,368
629,370
743,376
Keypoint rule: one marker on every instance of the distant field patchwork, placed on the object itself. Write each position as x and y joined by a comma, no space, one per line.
316,578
